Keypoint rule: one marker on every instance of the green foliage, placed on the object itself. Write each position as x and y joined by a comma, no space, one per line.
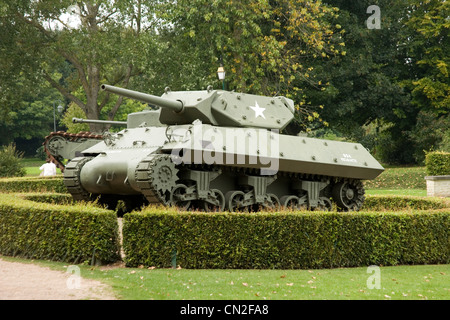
74,111
429,26
438,163
430,133
321,54
285,240
10,165
73,233
51,197
262,45
33,184
393,203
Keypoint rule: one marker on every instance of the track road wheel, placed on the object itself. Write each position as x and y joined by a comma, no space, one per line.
294,203
234,200
325,204
216,204
272,201
177,195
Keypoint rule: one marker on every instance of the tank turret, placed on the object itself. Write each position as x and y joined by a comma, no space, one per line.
216,107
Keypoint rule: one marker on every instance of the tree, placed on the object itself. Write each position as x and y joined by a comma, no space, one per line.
102,42
376,92
32,116
263,45
428,50
10,165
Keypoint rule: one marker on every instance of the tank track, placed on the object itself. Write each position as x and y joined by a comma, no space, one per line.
72,179
192,188
68,136
161,182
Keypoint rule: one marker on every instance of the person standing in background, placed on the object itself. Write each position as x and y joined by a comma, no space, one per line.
48,169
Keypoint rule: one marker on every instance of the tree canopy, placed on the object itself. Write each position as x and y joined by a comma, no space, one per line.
375,76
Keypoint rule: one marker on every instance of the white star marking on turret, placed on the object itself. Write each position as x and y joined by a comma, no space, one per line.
258,110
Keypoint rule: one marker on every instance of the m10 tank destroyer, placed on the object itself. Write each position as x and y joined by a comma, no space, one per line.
218,150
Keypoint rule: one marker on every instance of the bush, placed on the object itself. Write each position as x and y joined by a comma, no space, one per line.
438,163
73,233
33,184
396,203
285,240
10,165
52,198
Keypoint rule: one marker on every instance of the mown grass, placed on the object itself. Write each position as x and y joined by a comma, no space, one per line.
397,192
420,282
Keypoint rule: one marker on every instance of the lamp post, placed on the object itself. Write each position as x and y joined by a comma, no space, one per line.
60,109
221,75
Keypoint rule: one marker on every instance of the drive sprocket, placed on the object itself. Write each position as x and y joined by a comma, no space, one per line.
156,176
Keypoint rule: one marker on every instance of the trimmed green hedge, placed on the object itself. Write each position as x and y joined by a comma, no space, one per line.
52,198
33,184
396,203
285,240
72,233
49,225
437,163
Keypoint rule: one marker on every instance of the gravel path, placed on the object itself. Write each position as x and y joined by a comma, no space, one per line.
23,281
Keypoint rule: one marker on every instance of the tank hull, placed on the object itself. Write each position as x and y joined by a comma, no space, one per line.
223,168
271,152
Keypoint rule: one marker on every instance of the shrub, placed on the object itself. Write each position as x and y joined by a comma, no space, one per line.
73,233
285,240
10,165
33,184
397,203
438,163
52,198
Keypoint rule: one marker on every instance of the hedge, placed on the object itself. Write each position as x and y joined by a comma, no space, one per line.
71,233
33,184
396,203
52,198
287,240
437,163
33,225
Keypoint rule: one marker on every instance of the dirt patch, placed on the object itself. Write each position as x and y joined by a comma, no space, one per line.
23,281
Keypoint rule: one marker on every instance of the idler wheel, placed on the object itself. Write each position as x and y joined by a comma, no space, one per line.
348,195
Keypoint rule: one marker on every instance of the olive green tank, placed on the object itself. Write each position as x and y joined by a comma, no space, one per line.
218,150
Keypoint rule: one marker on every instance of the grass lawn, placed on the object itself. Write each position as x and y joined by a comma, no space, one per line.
419,282
32,165
398,192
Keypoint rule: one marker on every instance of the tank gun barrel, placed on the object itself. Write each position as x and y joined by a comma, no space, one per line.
79,120
174,105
